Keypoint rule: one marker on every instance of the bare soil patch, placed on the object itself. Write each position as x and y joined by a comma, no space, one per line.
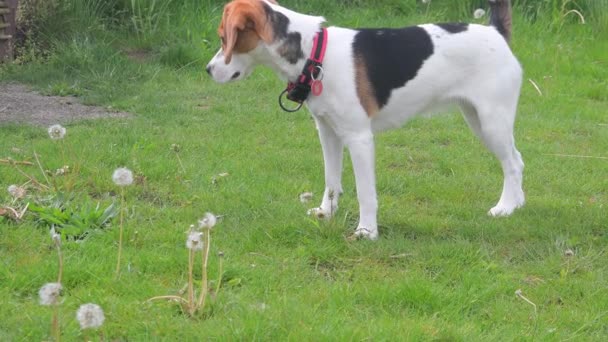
19,104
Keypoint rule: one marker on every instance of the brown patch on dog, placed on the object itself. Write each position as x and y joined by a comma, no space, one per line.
244,23
365,91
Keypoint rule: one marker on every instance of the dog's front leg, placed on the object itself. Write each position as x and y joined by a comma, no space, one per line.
332,155
361,148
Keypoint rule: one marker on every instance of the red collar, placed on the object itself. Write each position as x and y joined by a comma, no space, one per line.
311,76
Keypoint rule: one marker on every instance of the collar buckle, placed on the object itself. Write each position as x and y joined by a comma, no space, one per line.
310,78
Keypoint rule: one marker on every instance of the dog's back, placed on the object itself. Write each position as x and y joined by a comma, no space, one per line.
403,72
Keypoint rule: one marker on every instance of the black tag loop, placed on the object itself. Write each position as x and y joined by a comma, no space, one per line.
289,110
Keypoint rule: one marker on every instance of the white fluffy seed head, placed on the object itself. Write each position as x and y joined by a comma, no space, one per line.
57,132
306,197
479,13
62,171
207,222
194,241
16,191
426,1
90,316
50,293
122,176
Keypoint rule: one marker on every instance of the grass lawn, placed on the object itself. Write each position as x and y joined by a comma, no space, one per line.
441,269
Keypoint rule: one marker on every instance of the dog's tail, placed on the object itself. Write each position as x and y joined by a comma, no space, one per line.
500,17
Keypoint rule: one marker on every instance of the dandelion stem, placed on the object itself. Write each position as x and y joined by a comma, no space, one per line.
76,167
62,151
60,264
191,306
181,165
205,258
122,205
55,324
219,276
42,169
519,294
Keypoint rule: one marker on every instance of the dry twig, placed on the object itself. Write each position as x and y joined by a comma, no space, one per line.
16,162
575,156
536,87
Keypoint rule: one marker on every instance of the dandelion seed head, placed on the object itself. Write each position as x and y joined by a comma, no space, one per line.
16,191
122,176
50,293
518,292
306,197
426,1
195,241
62,171
479,13
175,148
57,132
90,316
208,221
568,252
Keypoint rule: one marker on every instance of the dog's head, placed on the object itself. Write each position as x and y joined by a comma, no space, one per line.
244,27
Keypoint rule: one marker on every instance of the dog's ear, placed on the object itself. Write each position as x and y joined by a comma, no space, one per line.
228,31
240,16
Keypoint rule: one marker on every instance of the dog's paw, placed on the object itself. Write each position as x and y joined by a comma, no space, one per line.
364,233
507,204
319,213
501,210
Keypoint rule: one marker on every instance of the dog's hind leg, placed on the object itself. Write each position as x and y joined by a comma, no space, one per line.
494,126
333,149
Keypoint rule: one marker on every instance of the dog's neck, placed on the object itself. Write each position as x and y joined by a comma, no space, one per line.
294,35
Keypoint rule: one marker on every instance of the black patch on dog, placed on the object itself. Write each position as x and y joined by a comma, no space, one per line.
392,57
291,49
454,27
278,20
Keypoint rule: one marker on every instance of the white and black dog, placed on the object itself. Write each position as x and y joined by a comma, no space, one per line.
368,80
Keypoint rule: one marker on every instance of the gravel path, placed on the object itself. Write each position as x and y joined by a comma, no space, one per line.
19,104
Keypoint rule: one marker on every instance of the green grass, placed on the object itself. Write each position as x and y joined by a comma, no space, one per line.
441,270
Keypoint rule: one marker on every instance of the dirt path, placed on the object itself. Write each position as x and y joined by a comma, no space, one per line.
19,104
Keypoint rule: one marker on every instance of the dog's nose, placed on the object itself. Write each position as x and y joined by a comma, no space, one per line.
208,69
